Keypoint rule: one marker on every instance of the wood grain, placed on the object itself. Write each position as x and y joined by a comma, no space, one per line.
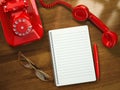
13,76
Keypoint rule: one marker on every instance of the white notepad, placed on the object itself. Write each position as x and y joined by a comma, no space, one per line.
72,55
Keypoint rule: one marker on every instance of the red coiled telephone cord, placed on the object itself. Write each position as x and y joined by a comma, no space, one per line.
56,2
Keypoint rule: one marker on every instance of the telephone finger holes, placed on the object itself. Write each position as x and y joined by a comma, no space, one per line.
22,27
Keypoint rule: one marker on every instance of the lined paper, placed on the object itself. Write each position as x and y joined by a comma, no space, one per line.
72,55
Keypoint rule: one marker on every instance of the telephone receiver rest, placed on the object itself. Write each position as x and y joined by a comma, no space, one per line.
82,13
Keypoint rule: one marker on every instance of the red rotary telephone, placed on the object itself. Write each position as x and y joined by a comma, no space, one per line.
20,21
26,25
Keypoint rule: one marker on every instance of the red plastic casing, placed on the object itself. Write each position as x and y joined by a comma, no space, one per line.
14,10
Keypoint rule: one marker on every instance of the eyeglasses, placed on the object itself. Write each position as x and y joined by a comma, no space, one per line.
27,63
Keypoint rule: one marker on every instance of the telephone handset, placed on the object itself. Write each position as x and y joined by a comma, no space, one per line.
26,24
20,21
109,38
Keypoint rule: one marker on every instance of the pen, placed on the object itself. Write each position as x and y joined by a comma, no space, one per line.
96,61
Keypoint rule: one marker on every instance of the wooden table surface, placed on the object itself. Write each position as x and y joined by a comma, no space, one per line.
13,76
